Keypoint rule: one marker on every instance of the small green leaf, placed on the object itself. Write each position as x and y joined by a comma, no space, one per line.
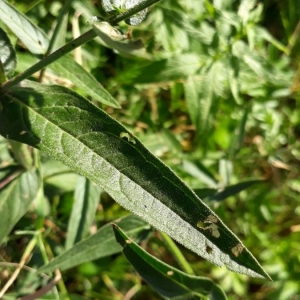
201,95
87,196
31,35
165,279
74,131
175,68
15,199
7,53
245,9
234,189
217,195
99,245
239,135
198,170
264,34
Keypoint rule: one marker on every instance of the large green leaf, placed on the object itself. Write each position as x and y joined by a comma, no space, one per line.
101,244
15,198
166,280
68,127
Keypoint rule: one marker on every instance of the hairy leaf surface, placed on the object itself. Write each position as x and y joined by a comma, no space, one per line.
68,127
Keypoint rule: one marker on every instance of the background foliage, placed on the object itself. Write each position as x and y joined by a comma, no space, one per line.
220,106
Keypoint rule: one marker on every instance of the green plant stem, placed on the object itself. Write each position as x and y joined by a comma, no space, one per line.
56,32
84,38
58,26
132,11
177,254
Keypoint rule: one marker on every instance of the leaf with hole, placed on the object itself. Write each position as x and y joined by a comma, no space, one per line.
74,131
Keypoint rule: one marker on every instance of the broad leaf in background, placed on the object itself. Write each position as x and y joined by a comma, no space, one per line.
110,37
200,100
202,94
99,245
67,68
37,43
86,199
15,199
57,176
165,279
71,129
198,170
175,68
8,57
32,36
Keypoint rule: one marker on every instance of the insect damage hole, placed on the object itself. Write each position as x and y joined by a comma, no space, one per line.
129,137
213,228
208,249
200,224
237,250
211,219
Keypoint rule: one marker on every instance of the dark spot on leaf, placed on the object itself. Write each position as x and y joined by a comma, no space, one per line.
208,249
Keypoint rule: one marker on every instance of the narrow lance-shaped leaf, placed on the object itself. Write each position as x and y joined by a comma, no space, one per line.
37,42
15,199
166,280
217,195
170,69
86,199
32,36
67,68
66,126
98,245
